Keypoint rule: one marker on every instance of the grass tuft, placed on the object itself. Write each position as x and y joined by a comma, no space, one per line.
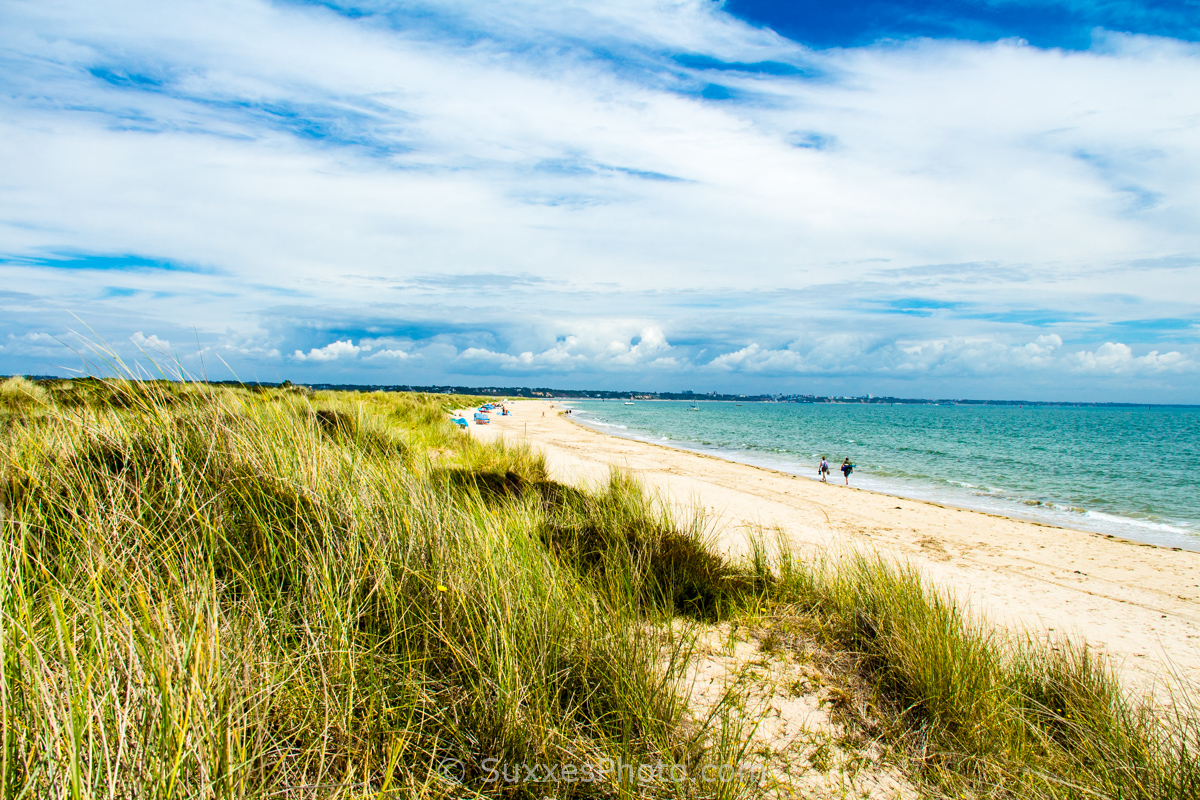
978,709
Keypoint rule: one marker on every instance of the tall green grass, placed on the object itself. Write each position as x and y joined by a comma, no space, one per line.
979,709
219,592
223,593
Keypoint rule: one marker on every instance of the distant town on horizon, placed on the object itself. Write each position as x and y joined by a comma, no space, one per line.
548,393
598,394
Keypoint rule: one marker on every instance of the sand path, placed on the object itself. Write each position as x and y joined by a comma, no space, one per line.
1138,602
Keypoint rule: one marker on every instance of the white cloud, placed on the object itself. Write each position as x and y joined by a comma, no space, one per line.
233,346
1118,359
34,343
598,344
1039,353
754,358
816,354
939,153
393,355
330,352
556,357
303,163
142,342
35,337
955,356
652,345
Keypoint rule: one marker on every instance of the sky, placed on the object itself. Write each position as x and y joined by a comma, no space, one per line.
989,199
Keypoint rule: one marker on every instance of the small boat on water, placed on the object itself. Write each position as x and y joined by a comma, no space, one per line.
693,407
628,402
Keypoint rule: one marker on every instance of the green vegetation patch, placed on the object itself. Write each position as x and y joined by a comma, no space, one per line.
976,709
227,592
231,593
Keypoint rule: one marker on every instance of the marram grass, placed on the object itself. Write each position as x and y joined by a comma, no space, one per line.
213,592
222,593
980,712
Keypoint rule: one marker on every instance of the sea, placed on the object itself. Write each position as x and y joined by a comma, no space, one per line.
1129,472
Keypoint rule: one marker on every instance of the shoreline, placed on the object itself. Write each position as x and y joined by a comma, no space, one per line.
1016,515
945,505
1136,601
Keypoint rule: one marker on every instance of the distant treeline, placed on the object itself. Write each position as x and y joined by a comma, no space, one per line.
603,394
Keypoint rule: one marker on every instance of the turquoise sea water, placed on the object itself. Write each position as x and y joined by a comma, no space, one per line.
1129,472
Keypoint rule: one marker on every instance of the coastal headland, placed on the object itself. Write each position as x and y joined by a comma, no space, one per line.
1136,602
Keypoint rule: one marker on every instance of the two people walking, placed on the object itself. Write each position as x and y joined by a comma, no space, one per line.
823,470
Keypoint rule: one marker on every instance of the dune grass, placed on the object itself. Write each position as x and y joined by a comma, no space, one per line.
979,711
223,593
234,593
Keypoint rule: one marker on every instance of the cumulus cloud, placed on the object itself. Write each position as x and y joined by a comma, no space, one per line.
389,354
558,358
1038,353
604,345
1116,358
330,352
142,341
651,346
244,346
949,356
39,337
976,355
810,355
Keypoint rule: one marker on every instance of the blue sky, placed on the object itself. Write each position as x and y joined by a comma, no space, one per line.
1066,24
991,199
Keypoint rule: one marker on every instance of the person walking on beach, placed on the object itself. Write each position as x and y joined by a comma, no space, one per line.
823,470
847,468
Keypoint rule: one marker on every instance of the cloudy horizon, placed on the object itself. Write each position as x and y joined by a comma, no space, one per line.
635,195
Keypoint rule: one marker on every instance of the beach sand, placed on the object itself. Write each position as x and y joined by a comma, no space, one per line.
1137,602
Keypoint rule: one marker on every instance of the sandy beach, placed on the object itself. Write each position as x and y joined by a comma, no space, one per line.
1135,601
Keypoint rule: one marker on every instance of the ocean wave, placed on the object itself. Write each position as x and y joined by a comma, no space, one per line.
613,425
1138,523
